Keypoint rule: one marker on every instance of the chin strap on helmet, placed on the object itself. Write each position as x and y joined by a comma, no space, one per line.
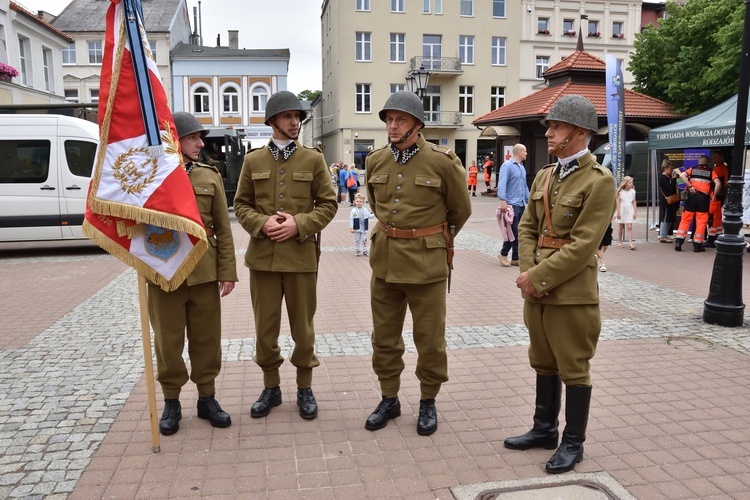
565,142
273,124
406,136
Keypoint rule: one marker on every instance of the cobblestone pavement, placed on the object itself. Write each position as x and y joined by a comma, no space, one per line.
63,387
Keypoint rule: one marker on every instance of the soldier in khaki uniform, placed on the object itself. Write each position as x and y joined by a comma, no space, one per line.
284,197
416,191
195,306
571,205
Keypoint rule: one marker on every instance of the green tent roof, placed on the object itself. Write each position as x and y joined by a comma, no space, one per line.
711,129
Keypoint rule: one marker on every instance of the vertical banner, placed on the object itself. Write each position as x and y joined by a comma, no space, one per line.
616,116
141,207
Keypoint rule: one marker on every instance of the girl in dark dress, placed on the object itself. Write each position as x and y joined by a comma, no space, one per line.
667,211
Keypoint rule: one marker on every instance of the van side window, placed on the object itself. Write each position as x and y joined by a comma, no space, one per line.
24,161
80,156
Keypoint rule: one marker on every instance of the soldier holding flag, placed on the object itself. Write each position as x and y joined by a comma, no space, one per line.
195,306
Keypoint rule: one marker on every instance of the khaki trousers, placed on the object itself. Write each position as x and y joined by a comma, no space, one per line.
267,289
196,310
563,339
427,305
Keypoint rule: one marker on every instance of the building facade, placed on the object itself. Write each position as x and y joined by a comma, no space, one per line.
480,54
228,87
550,33
32,47
167,24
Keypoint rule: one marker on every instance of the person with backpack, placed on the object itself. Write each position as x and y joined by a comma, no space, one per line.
352,184
343,177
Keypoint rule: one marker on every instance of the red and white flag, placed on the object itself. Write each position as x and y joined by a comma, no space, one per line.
141,207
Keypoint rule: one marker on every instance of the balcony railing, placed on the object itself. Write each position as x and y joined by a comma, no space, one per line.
443,119
437,64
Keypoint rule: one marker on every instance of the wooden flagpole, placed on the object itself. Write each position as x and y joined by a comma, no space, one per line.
148,364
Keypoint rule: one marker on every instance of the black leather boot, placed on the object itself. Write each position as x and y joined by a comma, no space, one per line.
308,407
570,452
209,408
270,397
427,421
387,409
678,244
544,434
710,242
698,247
170,418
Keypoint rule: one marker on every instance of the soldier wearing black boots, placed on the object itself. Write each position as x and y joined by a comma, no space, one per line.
572,202
194,308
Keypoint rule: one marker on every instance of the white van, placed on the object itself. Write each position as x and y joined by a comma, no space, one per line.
45,170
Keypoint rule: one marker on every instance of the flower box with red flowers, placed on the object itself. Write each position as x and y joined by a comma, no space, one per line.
618,35
594,35
542,32
570,33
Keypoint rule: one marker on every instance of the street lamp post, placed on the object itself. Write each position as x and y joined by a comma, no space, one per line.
724,304
417,81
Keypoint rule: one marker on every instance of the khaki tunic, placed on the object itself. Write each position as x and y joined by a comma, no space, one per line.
426,191
195,307
581,208
300,186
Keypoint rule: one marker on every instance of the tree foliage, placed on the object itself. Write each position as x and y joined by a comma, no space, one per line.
308,95
691,59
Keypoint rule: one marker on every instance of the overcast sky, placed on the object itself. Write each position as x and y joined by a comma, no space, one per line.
262,24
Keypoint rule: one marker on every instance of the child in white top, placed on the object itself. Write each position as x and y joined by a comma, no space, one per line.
359,221
626,212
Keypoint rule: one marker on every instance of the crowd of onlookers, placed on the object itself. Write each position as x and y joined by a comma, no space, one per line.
346,178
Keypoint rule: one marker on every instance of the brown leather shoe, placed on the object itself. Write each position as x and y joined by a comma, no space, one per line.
503,260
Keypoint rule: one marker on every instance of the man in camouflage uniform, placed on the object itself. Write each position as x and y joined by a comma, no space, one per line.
417,192
284,197
571,205
195,306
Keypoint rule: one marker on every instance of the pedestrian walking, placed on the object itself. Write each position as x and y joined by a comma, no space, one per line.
513,191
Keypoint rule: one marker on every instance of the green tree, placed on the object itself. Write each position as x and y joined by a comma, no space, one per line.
691,59
308,95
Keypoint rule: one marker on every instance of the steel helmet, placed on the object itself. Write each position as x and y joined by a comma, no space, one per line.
405,101
574,109
187,124
283,101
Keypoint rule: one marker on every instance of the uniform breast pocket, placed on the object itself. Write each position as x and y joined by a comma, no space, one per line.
537,197
379,183
204,197
302,184
567,211
262,183
427,190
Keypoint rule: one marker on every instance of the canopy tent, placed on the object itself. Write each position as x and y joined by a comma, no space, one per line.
711,129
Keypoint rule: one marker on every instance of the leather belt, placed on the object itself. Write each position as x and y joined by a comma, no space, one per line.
209,232
551,242
410,234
